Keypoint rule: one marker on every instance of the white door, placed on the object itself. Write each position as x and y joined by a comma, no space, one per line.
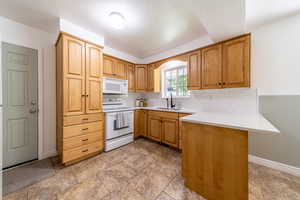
20,95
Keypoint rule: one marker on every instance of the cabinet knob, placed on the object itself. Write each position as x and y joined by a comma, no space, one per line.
219,83
224,83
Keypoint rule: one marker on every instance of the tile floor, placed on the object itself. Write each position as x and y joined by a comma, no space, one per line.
145,170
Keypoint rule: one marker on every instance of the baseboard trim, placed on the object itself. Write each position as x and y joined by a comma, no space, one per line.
275,165
48,154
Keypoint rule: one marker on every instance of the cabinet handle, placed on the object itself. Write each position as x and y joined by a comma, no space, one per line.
85,140
83,95
84,119
84,129
224,83
86,150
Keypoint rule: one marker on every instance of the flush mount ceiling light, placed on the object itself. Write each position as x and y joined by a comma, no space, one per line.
117,20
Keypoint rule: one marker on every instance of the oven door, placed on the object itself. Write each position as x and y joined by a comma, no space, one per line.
111,132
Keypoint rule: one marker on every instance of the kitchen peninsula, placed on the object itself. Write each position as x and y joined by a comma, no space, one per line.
215,153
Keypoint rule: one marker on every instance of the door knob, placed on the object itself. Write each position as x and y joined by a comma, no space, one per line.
33,102
32,110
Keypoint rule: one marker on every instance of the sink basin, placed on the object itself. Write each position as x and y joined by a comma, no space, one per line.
165,108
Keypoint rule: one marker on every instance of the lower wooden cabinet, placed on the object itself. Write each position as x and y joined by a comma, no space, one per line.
163,127
140,123
170,132
154,127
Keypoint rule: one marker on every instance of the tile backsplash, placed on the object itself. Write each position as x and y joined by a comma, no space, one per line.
239,100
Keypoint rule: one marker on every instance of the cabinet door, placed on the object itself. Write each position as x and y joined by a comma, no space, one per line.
194,71
108,66
141,78
212,67
150,74
94,68
236,63
143,123
74,76
131,77
119,70
154,127
170,132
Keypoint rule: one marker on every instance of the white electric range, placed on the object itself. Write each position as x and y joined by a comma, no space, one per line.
117,136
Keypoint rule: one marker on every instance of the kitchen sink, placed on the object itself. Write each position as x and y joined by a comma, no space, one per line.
165,108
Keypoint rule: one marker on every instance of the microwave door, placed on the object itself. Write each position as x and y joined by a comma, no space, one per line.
112,88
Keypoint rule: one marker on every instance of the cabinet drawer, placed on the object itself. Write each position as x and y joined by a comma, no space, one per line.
71,131
79,152
79,119
81,140
169,115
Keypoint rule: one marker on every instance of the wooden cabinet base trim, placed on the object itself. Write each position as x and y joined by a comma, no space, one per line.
82,158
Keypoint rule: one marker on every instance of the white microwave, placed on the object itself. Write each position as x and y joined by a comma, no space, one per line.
115,86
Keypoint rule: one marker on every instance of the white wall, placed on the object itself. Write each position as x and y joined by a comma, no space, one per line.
275,57
195,44
122,55
19,34
80,32
275,71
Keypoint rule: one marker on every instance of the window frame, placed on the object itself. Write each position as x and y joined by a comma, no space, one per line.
164,81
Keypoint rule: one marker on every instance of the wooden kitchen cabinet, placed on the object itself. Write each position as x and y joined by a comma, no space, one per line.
211,73
153,74
73,51
140,123
150,74
154,127
170,132
108,65
114,68
236,62
130,76
163,127
120,69
194,71
93,83
141,78
79,68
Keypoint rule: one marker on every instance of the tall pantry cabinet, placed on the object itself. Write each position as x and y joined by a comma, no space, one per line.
79,68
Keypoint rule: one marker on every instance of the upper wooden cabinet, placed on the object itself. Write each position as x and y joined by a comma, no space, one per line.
236,62
153,73
73,76
120,69
150,74
93,84
130,76
211,74
82,73
108,65
114,68
194,71
141,78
